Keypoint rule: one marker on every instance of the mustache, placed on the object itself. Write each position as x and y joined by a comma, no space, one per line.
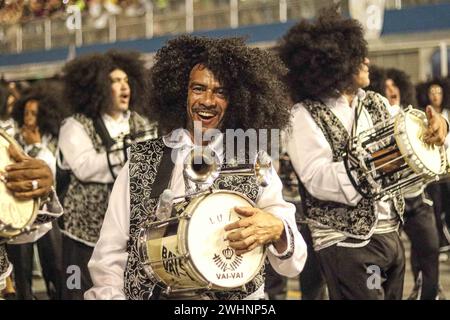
200,108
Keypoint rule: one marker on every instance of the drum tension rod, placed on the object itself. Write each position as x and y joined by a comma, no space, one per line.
158,223
385,175
403,184
376,138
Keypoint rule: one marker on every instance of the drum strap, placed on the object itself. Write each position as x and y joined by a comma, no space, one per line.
107,141
164,173
160,183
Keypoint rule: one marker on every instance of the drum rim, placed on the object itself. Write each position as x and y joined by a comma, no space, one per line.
184,248
403,142
13,232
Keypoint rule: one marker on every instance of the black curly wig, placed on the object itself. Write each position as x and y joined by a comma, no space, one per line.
377,79
379,76
252,78
52,108
88,85
404,83
422,92
323,55
4,94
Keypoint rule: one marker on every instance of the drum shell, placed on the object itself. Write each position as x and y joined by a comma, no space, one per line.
172,241
399,144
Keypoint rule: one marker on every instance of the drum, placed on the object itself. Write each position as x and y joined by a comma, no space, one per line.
392,158
16,216
188,252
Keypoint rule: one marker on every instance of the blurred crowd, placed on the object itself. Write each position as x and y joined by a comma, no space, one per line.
14,11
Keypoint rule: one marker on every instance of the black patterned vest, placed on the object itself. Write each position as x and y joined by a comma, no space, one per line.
4,263
357,222
145,159
85,203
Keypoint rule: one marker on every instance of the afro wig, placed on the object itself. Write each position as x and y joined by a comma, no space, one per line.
323,55
251,76
88,85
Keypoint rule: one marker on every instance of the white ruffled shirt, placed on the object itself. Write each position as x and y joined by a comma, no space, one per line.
79,154
312,157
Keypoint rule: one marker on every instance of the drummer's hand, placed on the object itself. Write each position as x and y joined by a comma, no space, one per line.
256,229
26,169
437,128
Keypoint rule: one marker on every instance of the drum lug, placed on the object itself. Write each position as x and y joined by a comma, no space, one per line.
27,230
168,290
4,226
187,216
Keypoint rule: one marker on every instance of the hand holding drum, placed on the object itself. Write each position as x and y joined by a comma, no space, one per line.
435,134
255,229
437,128
27,178
23,181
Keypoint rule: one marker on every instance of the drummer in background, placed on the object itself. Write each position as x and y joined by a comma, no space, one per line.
436,93
39,113
106,93
206,84
27,179
356,239
7,100
420,223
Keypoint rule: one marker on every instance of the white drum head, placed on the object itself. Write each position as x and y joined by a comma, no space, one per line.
424,156
16,214
210,254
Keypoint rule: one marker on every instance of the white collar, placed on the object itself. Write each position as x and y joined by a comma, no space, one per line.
342,101
181,139
124,116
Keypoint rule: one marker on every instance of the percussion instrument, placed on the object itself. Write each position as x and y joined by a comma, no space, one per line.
392,158
16,216
188,251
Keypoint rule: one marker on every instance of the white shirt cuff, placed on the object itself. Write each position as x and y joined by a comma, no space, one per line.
290,243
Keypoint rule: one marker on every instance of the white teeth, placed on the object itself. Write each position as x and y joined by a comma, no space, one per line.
206,114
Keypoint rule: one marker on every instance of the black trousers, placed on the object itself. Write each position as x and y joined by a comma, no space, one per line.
50,255
275,284
348,274
312,282
439,193
420,226
76,280
21,256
